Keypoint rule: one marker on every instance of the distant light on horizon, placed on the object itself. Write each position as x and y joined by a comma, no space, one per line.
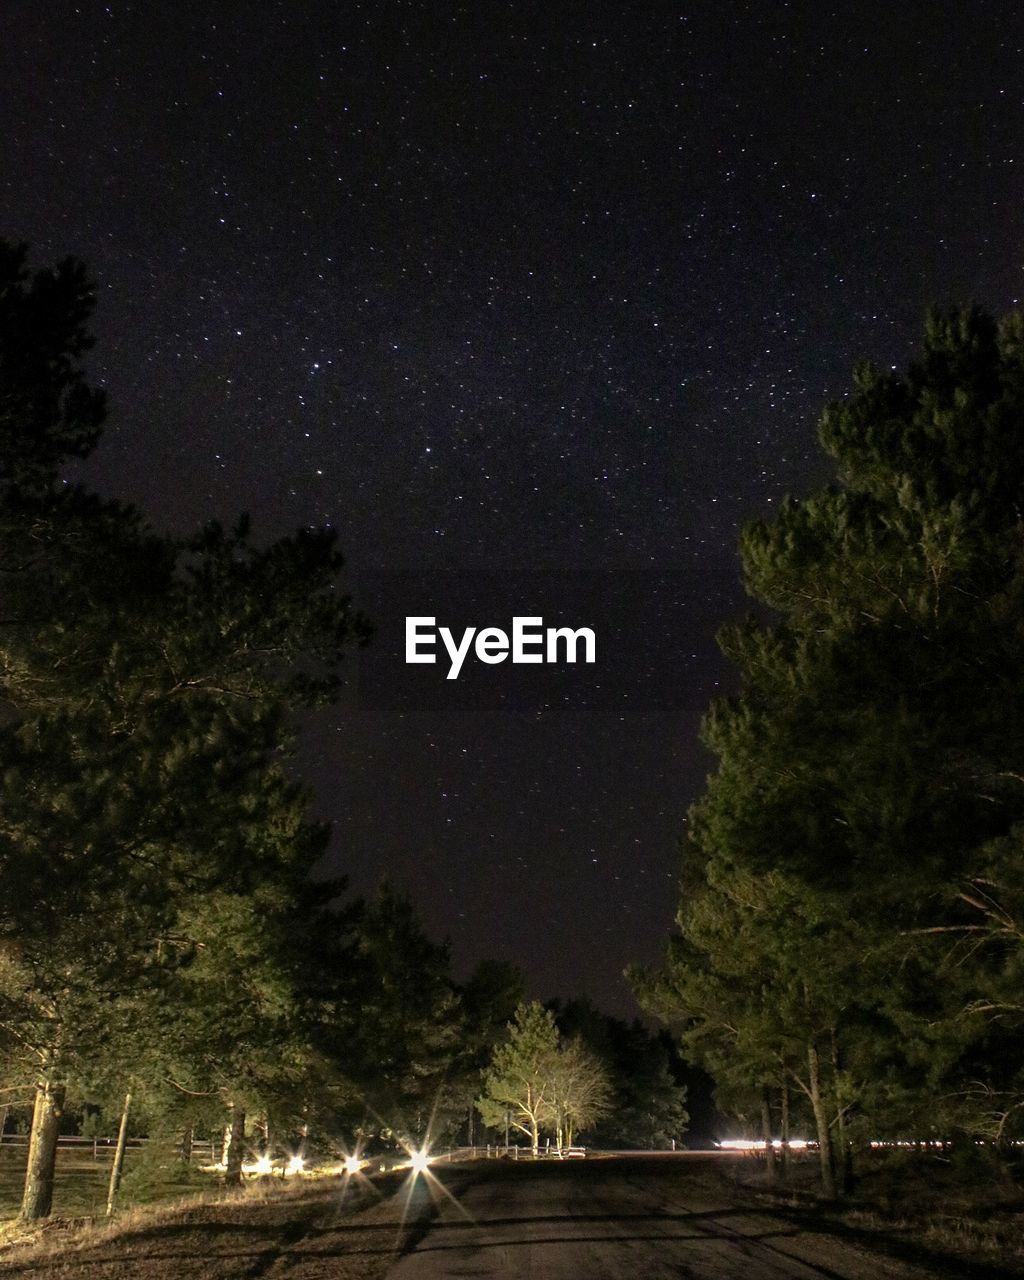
749,1144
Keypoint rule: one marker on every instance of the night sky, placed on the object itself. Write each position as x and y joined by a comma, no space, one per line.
536,303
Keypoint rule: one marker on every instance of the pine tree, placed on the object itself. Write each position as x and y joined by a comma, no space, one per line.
489,1000
870,762
149,684
401,1046
519,1085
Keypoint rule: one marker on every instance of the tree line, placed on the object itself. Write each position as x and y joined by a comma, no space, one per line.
163,934
849,943
162,929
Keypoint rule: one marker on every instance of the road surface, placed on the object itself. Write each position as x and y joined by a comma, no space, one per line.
631,1219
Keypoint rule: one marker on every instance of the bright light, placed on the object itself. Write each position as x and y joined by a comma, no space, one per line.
419,1161
353,1164
747,1144
295,1164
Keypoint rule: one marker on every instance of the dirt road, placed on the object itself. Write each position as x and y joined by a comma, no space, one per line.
627,1218
631,1219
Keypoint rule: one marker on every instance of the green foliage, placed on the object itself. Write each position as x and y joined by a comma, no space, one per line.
539,1081
850,898
157,1171
402,1043
518,1084
490,998
882,708
155,855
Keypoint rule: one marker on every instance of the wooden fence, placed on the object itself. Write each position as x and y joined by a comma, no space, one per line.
204,1150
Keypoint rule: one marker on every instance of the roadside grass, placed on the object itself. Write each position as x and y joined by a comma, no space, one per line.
969,1207
997,1241
80,1188
307,1228
912,1207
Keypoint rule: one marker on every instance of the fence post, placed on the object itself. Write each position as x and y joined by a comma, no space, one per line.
115,1172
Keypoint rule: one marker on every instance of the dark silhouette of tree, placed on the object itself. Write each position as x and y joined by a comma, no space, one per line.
647,1104
48,412
869,766
403,1045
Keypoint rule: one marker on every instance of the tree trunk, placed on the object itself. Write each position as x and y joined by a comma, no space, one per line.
118,1165
844,1153
37,1200
766,1134
234,1143
534,1137
828,1177
4,1109
185,1150
784,1125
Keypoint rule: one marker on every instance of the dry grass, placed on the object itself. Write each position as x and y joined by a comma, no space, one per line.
308,1231
972,1214
995,1241
81,1185
970,1208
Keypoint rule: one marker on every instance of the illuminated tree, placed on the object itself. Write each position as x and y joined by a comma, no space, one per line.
876,744
148,685
881,706
648,1104
581,1091
519,1085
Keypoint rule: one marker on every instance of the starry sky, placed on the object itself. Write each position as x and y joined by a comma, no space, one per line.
536,304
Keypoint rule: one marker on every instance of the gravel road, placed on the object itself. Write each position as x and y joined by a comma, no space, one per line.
625,1218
